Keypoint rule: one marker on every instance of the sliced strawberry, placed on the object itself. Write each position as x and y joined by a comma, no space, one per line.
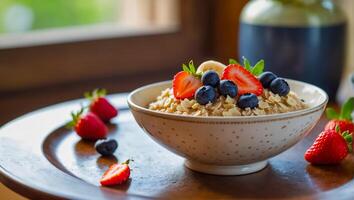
245,81
116,174
185,84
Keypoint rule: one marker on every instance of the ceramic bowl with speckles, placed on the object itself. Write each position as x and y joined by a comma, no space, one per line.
227,145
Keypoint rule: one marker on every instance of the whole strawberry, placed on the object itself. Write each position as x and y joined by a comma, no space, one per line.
88,126
116,174
330,147
100,105
343,119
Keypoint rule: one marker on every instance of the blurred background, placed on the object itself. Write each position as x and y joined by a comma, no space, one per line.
54,50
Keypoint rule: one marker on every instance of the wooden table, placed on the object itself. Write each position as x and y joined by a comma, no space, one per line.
40,159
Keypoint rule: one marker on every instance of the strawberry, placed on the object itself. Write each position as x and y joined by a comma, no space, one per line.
329,148
116,174
186,82
343,124
88,126
245,80
100,105
343,119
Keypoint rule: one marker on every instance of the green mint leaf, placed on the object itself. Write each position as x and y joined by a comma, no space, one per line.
258,68
191,67
233,61
331,113
247,64
347,109
185,68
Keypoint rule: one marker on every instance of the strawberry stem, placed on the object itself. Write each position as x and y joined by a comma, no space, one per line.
75,118
127,162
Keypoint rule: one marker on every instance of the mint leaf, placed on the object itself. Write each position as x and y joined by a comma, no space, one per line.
233,61
331,113
246,64
347,109
258,68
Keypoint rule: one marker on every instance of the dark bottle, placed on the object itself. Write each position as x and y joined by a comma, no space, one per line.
299,39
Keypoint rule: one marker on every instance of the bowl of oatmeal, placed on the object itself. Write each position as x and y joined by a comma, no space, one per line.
222,136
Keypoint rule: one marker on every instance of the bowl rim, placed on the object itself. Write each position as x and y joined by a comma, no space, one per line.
292,114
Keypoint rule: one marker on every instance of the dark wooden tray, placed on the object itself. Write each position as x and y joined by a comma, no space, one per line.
41,159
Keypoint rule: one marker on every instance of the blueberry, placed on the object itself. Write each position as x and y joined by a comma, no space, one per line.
205,94
247,101
228,87
210,78
280,86
266,78
106,147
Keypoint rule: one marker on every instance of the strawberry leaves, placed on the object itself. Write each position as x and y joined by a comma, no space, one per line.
233,61
191,69
75,118
256,70
345,112
96,93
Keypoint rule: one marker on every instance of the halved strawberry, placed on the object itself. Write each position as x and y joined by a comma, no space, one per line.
186,82
116,174
245,80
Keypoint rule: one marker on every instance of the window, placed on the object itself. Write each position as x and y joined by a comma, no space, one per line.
37,22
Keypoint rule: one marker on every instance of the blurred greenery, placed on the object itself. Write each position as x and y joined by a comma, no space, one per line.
23,15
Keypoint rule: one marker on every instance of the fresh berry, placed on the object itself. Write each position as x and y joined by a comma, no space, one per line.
106,147
100,105
247,101
279,86
116,174
245,81
210,78
343,119
186,82
343,124
88,126
205,94
227,87
329,148
266,78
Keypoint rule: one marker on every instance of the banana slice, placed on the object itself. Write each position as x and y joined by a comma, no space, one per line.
211,65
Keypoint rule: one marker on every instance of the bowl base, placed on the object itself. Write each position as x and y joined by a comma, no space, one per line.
225,169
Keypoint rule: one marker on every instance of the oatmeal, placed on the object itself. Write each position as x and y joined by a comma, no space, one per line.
269,103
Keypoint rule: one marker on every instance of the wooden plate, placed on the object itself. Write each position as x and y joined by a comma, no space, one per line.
39,158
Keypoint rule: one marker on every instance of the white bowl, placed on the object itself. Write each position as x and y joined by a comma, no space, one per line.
227,145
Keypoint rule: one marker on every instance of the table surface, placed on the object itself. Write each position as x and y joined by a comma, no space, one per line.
41,159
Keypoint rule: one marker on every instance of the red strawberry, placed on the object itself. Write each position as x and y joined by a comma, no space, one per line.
245,80
344,125
116,174
343,119
100,105
186,82
88,126
329,148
